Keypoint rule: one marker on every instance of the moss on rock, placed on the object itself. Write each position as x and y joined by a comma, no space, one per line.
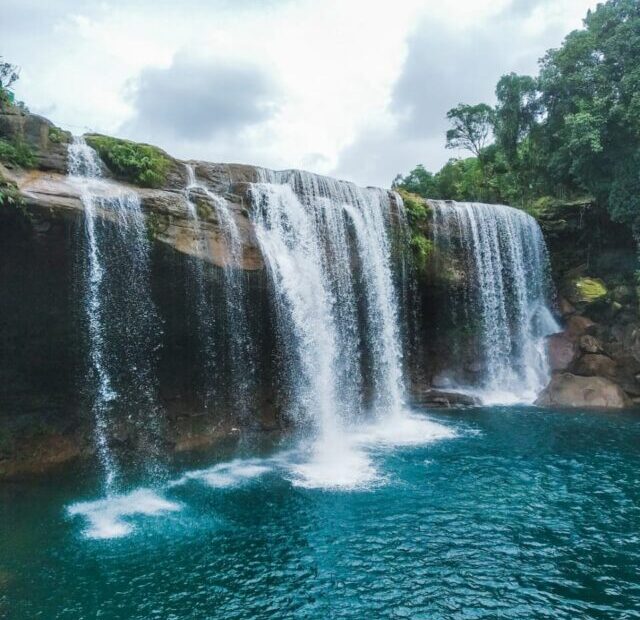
141,164
588,290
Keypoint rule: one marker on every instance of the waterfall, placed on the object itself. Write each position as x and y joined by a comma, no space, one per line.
240,351
327,248
122,325
507,291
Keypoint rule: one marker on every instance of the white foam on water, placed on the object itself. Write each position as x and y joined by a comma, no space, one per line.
227,475
343,467
107,517
350,464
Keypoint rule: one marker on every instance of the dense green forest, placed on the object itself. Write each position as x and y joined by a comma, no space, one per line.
572,131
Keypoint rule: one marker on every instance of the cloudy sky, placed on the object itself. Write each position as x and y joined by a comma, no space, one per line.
355,89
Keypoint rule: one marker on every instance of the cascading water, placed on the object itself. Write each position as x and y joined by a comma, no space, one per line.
122,325
240,352
327,248
507,293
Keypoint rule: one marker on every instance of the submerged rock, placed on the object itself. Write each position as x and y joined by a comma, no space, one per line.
442,398
568,390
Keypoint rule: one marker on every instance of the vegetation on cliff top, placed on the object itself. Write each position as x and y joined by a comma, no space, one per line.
573,130
141,164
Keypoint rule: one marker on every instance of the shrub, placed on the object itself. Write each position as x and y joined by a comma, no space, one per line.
422,248
415,206
10,198
18,153
141,164
57,135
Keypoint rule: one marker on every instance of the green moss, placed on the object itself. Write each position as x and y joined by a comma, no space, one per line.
156,225
141,164
589,289
10,198
18,153
415,206
422,249
58,136
203,210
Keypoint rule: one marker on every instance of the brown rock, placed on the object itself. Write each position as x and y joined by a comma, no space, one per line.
594,365
565,307
567,390
561,351
577,325
590,344
442,398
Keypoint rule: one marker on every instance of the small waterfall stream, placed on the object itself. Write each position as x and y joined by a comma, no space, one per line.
239,351
507,293
123,329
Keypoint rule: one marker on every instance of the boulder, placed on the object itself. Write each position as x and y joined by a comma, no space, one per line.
568,390
565,307
561,351
595,365
623,294
590,344
577,325
442,398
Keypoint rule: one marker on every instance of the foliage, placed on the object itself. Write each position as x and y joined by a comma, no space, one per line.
472,126
9,74
57,135
11,198
415,206
18,153
142,164
203,209
571,131
156,225
422,248
417,215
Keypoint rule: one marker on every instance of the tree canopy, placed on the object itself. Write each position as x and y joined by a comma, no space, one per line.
572,130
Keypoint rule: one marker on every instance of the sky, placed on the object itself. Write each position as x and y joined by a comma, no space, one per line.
348,88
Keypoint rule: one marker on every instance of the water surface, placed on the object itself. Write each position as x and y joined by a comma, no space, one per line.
513,513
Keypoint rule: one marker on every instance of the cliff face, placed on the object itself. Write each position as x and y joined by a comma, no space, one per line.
44,416
596,359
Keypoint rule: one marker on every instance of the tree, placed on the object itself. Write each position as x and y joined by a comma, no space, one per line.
418,181
472,127
591,92
9,75
516,113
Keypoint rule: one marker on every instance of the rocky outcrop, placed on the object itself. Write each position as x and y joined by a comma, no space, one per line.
45,420
568,390
594,263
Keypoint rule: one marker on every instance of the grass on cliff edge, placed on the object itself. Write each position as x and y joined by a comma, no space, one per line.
141,164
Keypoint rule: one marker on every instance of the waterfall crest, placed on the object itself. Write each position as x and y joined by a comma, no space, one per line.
506,294
122,326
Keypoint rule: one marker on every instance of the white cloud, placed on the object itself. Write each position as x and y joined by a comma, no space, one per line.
351,87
